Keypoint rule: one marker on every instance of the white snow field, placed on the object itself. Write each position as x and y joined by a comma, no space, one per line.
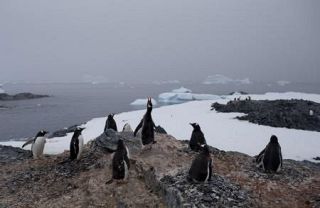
220,129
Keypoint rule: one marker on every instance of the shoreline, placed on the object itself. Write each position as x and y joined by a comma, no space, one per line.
245,137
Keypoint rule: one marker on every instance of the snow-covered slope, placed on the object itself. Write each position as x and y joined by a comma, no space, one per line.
221,129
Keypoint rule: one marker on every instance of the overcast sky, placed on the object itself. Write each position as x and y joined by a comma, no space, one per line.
137,40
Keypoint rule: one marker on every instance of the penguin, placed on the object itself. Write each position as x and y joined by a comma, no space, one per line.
311,113
110,123
201,167
38,143
76,144
120,163
197,138
127,128
147,125
270,159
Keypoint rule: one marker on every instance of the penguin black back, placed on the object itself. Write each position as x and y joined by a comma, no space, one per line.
201,167
120,162
272,159
110,123
74,144
197,138
147,125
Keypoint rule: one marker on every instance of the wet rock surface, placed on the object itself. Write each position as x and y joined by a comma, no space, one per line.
279,113
157,178
20,96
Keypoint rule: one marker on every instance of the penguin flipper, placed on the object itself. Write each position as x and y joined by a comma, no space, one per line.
138,127
28,142
259,157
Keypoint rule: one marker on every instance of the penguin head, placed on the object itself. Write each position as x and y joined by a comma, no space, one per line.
120,144
79,130
205,150
195,126
273,139
149,104
42,133
110,116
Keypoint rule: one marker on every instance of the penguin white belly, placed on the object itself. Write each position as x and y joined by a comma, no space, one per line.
38,146
80,146
208,172
128,153
126,171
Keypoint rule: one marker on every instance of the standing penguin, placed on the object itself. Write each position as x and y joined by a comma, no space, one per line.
270,159
120,163
201,168
38,143
76,144
197,138
147,125
110,123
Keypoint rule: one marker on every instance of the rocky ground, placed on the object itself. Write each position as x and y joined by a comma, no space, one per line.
157,179
20,96
279,113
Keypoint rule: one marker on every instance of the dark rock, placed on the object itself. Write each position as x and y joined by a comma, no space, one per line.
241,92
63,132
20,96
160,130
316,158
279,113
219,192
108,141
12,154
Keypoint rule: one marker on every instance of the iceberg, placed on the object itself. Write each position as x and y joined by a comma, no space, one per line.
221,79
143,101
2,90
183,94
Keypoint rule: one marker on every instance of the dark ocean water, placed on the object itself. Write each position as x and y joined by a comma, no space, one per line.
71,104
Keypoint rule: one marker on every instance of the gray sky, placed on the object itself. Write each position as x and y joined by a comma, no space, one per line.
136,40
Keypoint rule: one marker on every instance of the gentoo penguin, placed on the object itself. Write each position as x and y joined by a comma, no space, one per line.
197,138
110,123
127,128
38,143
76,144
120,163
147,125
270,159
201,168
311,113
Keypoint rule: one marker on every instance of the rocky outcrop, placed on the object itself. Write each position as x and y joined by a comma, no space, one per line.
63,132
20,96
279,113
157,178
